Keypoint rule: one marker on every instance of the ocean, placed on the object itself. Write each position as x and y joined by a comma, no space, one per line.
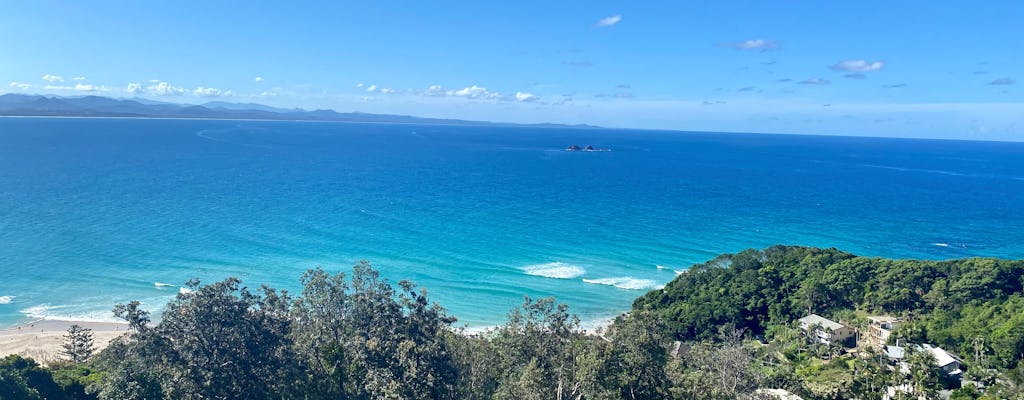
99,211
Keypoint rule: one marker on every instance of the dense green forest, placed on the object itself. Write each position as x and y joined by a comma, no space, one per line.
949,303
722,330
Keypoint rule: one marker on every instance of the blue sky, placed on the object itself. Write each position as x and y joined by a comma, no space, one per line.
906,68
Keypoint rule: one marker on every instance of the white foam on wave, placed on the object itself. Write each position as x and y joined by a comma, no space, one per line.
941,244
557,270
626,282
6,299
185,290
161,284
661,267
67,313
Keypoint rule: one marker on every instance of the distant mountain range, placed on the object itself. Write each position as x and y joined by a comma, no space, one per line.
98,106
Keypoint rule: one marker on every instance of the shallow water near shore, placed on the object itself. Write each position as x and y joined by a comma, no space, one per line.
99,211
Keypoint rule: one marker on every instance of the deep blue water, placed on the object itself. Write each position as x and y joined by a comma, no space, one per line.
97,211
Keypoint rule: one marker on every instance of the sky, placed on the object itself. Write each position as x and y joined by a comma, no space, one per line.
951,69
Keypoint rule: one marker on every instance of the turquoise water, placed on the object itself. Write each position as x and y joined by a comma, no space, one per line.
99,211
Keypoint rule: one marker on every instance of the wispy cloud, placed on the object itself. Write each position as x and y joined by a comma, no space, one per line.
79,87
747,89
434,91
783,80
20,86
53,78
815,81
526,97
79,78
580,64
753,44
856,75
857,66
134,88
894,86
1002,81
609,21
258,79
202,91
623,86
614,95
82,87
388,91
475,92
371,88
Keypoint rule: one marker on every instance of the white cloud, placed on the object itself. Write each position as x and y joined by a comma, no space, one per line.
858,66
1002,81
471,92
434,91
268,94
475,92
52,78
79,87
210,92
609,21
20,86
388,91
371,88
79,78
258,79
754,44
165,89
359,85
134,88
526,97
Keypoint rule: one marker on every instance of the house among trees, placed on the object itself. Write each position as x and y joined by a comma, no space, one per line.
950,367
826,331
880,329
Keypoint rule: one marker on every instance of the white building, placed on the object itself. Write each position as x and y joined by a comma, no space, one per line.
827,331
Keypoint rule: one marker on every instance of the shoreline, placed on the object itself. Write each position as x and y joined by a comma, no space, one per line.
41,340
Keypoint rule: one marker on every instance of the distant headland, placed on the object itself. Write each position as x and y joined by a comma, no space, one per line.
22,105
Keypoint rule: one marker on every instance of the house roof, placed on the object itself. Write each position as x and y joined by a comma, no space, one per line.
942,357
815,319
883,318
895,352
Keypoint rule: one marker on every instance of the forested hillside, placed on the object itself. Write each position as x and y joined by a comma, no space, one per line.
950,303
359,337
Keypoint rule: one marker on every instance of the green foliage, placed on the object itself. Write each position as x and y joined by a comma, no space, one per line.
951,303
23,378
360,337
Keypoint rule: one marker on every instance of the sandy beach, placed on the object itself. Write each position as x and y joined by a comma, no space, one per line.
42,340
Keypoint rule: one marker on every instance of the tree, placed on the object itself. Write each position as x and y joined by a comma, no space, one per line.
638,357
924,372
78,344
23,378
137,318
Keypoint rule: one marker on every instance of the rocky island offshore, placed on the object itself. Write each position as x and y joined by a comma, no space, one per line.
587,148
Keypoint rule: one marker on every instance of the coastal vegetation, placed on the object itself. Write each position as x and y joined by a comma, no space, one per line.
724,329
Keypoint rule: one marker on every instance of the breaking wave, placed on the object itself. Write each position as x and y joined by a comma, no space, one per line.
626,282
557,270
